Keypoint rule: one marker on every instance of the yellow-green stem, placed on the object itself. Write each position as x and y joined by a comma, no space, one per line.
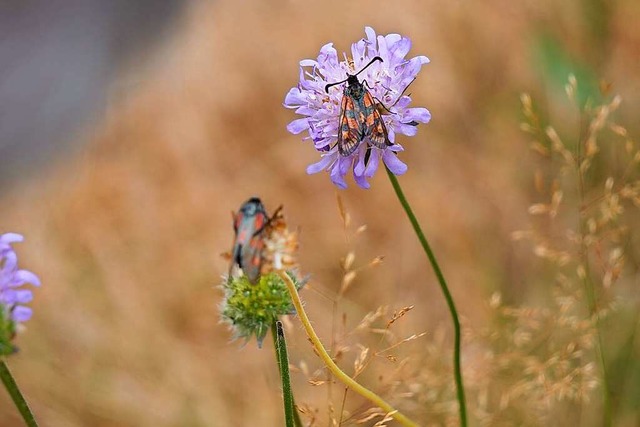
331,365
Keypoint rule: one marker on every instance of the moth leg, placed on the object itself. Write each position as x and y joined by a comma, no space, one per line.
384,106
399,96
269,221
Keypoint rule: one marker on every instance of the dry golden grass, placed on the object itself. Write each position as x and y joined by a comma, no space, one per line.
126,234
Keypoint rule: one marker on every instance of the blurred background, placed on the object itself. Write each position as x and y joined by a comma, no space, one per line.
130,130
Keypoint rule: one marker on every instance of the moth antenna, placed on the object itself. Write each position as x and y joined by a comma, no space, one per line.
377,58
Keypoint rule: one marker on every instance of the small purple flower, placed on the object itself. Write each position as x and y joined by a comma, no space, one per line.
12,297
386,81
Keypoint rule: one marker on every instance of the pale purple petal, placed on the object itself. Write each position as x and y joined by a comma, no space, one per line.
322,143
371,35
391,40
391,135
359,166
393,163
9,238
294,98
405,129
412,67
396,148
358,52
10,261
21,313
298,125
345,164
11,278
321,165
8,296
372,167
383,52
303,83
403,102
336,177
23,296
401,48
24,276
362,182
419,114
306,111
328,55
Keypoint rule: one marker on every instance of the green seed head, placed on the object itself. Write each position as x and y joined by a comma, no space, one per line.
251,309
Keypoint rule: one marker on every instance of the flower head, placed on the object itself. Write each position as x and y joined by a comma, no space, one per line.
12,299
252,308
386,81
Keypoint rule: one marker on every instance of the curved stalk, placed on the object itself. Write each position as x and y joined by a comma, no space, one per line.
331,365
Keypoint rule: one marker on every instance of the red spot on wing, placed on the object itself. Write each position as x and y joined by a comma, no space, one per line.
255,261
237,218
378,131
259,221
369,104
348,134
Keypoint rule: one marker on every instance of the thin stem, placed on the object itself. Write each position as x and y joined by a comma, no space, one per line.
331,365
606,401
283,365
588,283
16,395
457,371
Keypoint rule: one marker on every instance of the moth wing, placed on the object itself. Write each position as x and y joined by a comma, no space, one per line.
237,217
244,230
375,128
259,222
348,134
251,259
236,251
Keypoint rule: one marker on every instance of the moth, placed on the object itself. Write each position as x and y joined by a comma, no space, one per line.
250,225
360,118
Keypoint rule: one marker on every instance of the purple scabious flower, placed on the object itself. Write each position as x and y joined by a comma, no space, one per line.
386,81
12,298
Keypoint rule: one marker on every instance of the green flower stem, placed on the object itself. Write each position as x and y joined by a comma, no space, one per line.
445,290
331,365
292,418
16,395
